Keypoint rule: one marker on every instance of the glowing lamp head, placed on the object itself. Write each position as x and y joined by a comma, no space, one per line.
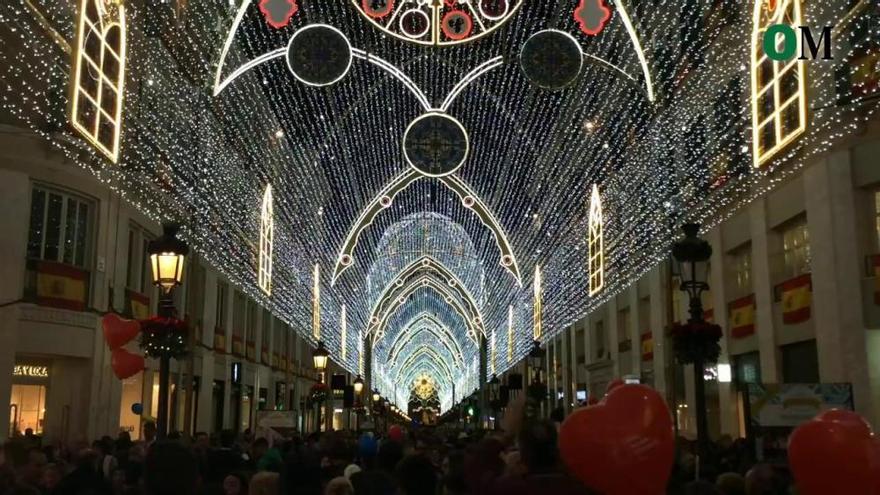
376,396
358,385
321,356
536,356
167,257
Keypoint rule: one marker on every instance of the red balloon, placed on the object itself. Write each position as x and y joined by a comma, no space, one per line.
395,433
835,452
624,445
125,364
118,331
617,382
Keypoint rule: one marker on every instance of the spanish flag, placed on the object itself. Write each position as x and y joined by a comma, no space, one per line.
251,352
796,300
237,346
219,340
139,304
875,261
61,286
742,317
647,346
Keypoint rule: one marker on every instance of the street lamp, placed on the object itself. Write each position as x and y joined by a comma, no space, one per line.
692,255
536,361
320,356
376,396
494,384
167,257
358,385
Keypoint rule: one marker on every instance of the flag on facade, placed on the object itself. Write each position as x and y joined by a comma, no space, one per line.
875,261
61,286
742,317
647,346
219,340
796,300
139,304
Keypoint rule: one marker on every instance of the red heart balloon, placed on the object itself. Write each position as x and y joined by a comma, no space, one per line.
125,364
119,331
835,452
624,445
617,382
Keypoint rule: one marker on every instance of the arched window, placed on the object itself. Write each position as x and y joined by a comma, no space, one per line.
539,305
596,244
267,237
99,75
779,94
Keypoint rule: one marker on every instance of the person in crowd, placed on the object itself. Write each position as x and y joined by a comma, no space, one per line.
149,433
235,484
339,486
731,484
170,469
264,483
416,475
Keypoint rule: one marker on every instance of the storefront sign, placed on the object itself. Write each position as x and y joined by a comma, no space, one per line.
791,404
31,371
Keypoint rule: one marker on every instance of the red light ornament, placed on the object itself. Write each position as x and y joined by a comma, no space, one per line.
592,16
278,13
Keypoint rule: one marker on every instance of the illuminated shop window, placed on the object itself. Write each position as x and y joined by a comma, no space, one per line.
267,236
779,99
596,244
99,75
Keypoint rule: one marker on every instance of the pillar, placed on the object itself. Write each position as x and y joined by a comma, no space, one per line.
657,287
836,274
763,284
565,340
635,330
726,393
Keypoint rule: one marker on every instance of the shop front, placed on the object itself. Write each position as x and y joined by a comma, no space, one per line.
27,404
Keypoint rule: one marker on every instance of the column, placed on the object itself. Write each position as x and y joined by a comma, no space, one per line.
484,403
635,329
836,275
763,285
658,283
726,394
15,204
209,325
565,340
612,337
573,354
588,352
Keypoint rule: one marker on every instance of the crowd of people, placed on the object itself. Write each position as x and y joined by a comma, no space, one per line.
520,458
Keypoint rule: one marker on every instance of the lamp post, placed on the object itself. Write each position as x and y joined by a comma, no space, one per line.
320,358
167,257
535,391
692,254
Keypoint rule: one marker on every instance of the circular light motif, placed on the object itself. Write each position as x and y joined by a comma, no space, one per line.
457,25
435,144
551,59
438,22
319,55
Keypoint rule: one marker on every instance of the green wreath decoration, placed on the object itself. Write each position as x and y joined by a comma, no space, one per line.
163,337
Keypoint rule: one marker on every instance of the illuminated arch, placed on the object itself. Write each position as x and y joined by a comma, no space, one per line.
432,357
98,82
267,238
596,244
538,308
425,323
471,316
385,199
771,129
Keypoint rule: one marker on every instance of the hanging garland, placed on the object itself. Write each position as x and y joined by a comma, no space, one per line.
318,393
696,342
163,336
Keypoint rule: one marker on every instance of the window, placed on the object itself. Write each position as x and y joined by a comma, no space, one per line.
220,315
877,217
28,408
596,244
741,267
267,329
99,74
267,236
623,325
60,228
796,248
600,340
779,98
251,322
238,320
138,277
